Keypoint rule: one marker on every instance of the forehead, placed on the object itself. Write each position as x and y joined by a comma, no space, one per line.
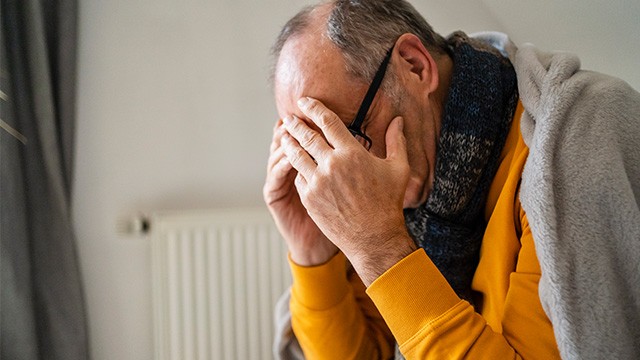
311,66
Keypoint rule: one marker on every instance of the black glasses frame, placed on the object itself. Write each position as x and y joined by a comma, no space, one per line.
356,124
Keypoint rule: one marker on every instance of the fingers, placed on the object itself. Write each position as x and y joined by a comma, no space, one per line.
297,156
396,142
280,172
279,182
332,127
278,130
275,156
279,165
311,140
276,153
301,184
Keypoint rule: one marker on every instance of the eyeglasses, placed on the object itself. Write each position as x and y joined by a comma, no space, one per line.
356,124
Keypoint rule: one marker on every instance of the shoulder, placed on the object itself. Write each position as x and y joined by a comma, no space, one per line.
559,96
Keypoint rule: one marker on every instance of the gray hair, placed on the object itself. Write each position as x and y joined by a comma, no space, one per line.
364,30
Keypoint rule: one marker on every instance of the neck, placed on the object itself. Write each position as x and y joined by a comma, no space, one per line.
445,70
421,183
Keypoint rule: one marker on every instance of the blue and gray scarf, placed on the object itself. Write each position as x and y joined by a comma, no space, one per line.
477,116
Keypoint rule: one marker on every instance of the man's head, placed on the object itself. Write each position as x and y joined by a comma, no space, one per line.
363,31
331,52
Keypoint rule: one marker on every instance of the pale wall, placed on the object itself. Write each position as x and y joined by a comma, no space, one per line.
174,112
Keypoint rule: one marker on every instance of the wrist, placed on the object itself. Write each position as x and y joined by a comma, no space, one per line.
314,256
372,263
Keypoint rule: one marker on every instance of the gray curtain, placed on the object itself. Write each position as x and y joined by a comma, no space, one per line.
42,311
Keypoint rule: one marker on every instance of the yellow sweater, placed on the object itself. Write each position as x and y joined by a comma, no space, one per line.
335,317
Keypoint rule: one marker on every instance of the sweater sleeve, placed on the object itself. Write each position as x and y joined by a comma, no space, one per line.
429,321
333,317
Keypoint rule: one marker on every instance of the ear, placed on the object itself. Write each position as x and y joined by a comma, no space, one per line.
416,62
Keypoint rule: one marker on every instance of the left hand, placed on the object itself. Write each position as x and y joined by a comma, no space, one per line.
354,197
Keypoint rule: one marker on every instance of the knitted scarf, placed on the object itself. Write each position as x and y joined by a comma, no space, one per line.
475,123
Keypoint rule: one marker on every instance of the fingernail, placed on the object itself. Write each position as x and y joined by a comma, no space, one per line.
302,102
286,120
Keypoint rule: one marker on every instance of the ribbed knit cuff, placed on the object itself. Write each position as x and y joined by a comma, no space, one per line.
320,287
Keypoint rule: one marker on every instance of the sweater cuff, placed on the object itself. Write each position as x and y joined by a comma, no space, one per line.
320,287
411,295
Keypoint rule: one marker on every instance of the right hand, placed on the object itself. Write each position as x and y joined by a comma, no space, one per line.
308,246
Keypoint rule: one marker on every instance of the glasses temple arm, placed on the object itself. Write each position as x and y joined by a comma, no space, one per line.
371,93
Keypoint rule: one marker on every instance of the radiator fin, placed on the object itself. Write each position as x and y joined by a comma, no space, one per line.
216,278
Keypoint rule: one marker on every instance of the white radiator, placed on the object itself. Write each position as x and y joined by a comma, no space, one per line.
216,278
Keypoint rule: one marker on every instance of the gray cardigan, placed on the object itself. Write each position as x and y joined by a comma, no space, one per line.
581,193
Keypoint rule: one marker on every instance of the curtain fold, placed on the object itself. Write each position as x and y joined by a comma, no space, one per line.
42,311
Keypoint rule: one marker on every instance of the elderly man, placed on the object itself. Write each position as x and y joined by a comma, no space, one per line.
457,197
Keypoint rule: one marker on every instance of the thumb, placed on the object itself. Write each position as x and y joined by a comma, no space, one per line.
396,142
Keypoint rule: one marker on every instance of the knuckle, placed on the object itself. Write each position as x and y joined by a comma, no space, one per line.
314,185
299,182
291,154
298,153
308,138
295,126
326,118
314,105
332,165
318,183
323,115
